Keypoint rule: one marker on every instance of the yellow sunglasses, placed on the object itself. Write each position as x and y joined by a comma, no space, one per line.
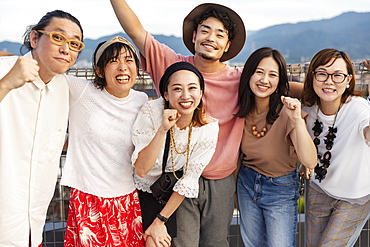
59,39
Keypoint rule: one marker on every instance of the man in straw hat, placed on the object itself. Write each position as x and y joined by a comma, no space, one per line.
214,34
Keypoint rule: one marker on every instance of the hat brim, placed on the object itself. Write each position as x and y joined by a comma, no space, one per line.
236,44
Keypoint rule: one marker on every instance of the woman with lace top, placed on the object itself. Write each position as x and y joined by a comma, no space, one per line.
338,197
193,142
104,208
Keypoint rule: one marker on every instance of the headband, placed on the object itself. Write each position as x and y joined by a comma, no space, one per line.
117,39
176,67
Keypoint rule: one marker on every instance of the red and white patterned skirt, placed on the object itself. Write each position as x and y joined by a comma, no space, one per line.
97,221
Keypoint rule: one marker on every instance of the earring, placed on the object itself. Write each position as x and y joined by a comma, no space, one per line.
348,85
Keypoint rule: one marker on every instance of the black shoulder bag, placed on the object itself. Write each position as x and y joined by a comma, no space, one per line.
162,188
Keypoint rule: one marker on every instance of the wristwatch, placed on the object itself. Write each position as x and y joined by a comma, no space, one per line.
162,218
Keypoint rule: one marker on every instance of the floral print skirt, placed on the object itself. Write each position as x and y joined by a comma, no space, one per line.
97,221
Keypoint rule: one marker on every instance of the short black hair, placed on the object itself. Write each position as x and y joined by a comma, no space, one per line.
44,22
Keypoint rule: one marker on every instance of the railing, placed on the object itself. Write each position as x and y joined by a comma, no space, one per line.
58,209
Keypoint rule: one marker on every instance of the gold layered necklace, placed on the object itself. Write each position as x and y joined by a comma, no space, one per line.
187,151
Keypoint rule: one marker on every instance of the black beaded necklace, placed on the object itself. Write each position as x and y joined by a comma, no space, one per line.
321,171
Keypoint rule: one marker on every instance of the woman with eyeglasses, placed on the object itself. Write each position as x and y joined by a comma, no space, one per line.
104,208
33,121
338,203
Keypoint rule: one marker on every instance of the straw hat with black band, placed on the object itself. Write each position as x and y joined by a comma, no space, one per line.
236,44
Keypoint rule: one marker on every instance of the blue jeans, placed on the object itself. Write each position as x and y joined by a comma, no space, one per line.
268,208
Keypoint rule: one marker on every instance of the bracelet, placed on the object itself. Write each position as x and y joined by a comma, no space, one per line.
162,218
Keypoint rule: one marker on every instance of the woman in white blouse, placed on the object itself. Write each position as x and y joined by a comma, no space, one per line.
193,136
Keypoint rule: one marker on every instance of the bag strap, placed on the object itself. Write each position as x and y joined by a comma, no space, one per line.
165,152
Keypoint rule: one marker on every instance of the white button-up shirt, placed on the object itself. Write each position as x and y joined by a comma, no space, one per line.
33,122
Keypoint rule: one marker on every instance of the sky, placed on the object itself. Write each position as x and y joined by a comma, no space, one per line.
165,16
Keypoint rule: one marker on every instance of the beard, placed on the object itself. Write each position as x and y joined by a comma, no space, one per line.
207,57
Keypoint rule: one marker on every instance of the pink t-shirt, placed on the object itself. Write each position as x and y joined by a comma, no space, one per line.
220,100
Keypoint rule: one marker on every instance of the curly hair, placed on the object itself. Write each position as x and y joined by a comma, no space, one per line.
222,16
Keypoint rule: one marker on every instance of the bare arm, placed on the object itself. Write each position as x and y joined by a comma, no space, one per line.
130,23
303,144
148,155
157,230
24,70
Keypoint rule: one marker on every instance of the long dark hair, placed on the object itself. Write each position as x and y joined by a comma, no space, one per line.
44,22
246,98
309,97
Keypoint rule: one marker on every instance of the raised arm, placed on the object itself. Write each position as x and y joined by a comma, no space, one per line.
302,141
130,23
24,70
148,155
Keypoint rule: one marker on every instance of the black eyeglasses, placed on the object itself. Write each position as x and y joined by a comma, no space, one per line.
335,77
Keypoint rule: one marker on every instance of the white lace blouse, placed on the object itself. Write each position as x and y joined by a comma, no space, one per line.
202,146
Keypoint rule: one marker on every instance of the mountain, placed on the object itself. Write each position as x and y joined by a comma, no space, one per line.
85,57
349,32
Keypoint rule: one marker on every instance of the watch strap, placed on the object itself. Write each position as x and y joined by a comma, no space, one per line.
162,218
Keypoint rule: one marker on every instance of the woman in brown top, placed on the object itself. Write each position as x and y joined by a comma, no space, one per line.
274,140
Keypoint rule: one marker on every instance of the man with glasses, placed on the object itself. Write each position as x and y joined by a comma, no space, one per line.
33,121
